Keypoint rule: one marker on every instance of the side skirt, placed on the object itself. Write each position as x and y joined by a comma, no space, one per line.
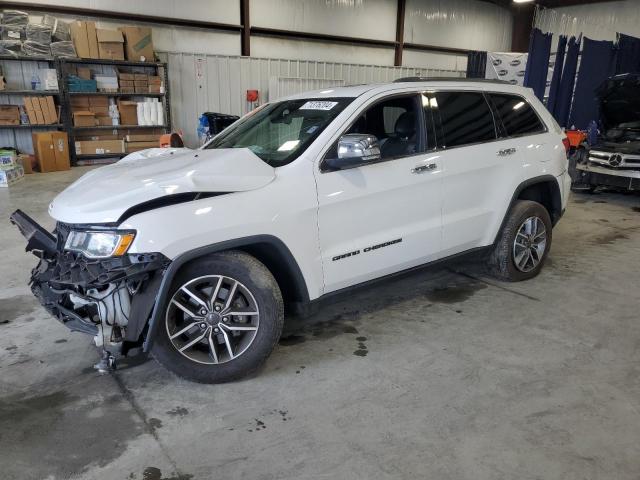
306,309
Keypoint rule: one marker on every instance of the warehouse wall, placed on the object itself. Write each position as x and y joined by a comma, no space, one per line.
598,21
469,24
218,83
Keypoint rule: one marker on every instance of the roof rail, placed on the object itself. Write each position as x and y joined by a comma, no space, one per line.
448,79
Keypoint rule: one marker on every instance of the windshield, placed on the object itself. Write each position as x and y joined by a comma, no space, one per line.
279,132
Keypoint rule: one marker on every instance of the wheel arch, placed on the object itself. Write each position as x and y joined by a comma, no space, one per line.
269,250
544,190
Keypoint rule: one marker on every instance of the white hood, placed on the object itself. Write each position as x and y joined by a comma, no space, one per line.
104,194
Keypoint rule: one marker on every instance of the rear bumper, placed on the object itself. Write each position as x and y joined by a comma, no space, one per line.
61,276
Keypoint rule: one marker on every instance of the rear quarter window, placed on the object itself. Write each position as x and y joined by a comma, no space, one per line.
518,117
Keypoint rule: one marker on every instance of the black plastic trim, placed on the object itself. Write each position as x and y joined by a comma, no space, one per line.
309,308
238,243
527,183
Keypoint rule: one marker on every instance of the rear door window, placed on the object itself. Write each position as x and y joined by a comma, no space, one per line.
518,117
465,118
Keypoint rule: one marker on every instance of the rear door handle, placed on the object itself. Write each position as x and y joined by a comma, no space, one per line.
506,151
424,168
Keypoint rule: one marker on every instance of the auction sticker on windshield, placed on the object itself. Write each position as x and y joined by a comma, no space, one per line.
318,105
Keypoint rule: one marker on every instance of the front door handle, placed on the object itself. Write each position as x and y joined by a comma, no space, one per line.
424,168
506,151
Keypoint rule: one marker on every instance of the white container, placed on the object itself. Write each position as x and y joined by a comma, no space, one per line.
148,117
140,112
160,113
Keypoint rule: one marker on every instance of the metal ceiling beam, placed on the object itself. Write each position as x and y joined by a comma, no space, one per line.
129,17
397,61
245,33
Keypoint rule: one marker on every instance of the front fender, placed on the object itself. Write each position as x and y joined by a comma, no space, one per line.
285,256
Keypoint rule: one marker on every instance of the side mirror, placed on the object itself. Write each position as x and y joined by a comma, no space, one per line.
355,149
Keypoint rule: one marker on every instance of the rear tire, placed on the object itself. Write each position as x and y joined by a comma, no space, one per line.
236,336
523,243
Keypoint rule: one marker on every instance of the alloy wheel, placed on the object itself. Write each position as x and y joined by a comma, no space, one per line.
212,319
530,244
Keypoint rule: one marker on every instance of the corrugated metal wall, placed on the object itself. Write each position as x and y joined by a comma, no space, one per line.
217,83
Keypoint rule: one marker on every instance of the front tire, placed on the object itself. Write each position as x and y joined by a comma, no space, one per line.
223,318
523,244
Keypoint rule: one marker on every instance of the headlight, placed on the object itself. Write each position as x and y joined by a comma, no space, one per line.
99,244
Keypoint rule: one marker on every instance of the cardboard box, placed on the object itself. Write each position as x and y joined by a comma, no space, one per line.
143,137
154,80
101,136
93,40
84,119
127,90
129,77
127,83
52,151
135,146
98,101
138,43
84,39
39,117
140,83
141,76
9,177
9,115
84,73
110,44
48,109
41,110
79,102
27,162
141,89
155,89
99,147
104,120
99,110
128,112
61,150
78,31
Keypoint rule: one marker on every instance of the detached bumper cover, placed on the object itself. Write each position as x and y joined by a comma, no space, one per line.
61,273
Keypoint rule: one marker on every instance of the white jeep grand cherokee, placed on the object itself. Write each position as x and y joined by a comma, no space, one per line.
197,254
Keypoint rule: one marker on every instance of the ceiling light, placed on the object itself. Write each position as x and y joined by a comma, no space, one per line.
522,1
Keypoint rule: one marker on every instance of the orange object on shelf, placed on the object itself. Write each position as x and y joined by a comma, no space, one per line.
576,137
172,140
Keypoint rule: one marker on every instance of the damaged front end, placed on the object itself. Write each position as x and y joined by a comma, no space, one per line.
110,298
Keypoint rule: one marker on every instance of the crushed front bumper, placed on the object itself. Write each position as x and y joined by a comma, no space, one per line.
62,276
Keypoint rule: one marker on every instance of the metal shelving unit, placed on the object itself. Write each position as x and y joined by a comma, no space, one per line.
31,93
31,126
121,127
115,94
62,66
19,135
66,64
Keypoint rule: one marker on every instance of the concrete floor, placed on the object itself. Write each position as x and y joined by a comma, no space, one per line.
438,375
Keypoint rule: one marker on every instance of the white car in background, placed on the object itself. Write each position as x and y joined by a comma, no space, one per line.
196,255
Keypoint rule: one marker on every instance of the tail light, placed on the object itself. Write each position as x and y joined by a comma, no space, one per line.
567,145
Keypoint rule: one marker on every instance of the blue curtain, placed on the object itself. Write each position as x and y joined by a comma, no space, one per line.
597,64
476,64
535,75
557,73
567,81
628,54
